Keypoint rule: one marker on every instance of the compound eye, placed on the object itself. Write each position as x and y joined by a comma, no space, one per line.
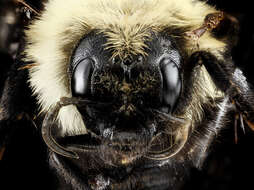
81,76
171,84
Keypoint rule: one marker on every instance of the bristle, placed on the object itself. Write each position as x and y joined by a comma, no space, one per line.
28,6
28,66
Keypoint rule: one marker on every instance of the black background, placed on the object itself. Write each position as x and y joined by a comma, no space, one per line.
229,166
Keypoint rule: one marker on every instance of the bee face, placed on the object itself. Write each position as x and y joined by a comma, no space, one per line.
133,90
153,79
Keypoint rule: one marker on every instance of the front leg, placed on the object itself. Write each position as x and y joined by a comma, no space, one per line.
232,82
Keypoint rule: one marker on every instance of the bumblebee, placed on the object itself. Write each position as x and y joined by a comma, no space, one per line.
126,94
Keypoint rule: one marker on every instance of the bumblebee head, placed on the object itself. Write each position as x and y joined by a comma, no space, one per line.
118,70
134,96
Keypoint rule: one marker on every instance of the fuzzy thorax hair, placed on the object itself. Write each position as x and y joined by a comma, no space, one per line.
127,23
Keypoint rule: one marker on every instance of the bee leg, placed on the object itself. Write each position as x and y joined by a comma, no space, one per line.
232,82
243,99
15,102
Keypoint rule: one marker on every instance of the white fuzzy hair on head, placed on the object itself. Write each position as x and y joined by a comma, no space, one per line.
127,23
